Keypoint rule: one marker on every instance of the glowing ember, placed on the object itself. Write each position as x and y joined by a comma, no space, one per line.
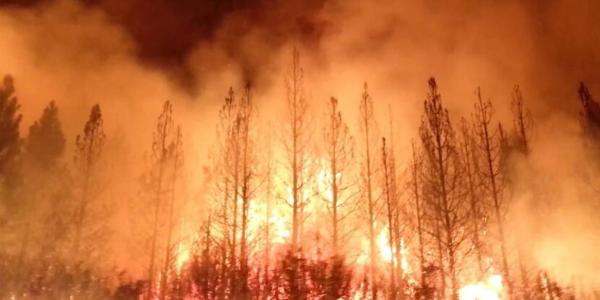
491,289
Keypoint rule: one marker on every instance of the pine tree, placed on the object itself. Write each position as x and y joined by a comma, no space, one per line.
165,168
339,154
248,187
443,186
391,212
368,173
415,170
490,145
46,142
470,161
45,184
522,121
10,143
522,125
590,112
88,150
296,143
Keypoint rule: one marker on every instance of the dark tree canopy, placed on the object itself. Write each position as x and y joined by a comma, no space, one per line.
46,141
9,125
590,111
89,145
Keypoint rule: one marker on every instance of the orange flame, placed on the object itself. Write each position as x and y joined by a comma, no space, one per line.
490,289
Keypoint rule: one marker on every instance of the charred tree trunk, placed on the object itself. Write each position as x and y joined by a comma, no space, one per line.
390,217
491,153
367,121
415,169
470,167
443,175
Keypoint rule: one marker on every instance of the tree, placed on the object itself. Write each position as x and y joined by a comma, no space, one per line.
268,198
296,142
339,154
442,180
10,120
165,168
522,121
46,142
470,160
88,151
248,173
237,168
590,112
490,144
393,194
45,184
225,172
415,170
176,162
522,124
392,211
368,171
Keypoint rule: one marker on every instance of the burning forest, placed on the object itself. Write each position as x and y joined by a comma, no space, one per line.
316,149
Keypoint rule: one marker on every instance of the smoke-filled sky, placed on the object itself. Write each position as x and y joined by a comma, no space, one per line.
130,56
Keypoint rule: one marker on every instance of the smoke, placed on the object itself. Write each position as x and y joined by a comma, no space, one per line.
132,57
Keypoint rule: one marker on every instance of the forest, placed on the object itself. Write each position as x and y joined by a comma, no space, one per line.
312,205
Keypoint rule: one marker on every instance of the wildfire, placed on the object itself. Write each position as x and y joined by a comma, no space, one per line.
490,289
182,256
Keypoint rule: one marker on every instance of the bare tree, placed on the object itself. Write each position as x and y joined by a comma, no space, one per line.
339,154
88,150
399,209
490,144
166,163
236,170
368,171
268,196
470,161
248,175
391,210
522,121
442,179
227,186
176,164
296,142
415,169
522,124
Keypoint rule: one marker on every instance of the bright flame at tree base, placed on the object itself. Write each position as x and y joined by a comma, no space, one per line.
490,289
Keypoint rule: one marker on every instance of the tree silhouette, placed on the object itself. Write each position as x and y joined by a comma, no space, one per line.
296,143
46,142
165,168
470,160
10,144
442,179
339,154
88,150
368,134
490,145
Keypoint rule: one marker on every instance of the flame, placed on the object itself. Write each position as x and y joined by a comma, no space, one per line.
490,289
383,244
182,256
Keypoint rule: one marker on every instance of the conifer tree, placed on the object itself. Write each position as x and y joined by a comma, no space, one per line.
442,179
10,143
88,150
368,135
